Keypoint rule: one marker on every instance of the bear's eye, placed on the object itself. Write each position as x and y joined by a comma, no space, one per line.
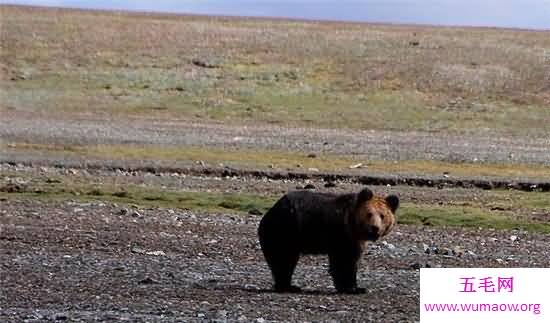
381,216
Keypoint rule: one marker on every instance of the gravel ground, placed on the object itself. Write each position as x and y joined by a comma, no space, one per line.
92,261
102,262
378,145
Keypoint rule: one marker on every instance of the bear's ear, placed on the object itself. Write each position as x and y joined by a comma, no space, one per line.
393,202
364,196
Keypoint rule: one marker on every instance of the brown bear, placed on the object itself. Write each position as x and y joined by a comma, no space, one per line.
305,222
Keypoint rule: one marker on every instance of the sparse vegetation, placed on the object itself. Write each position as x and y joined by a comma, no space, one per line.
274,71
458,213
466,217
262,159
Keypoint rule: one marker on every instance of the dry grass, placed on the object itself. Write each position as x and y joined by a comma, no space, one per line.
277,71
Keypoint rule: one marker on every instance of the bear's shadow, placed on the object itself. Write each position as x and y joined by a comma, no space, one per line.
255,290
258,290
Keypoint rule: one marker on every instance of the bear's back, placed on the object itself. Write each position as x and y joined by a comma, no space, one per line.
312,220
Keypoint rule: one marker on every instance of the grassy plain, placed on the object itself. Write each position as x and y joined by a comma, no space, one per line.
307,73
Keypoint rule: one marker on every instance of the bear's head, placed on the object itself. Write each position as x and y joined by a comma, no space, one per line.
373,216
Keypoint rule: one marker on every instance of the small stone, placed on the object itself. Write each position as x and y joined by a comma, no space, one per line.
309,186
514,238
121,194
50,180
251,287
221,314
146,281
388,245
426,248
416,266
313,169
255,211
123,211
354,166
136,214
138,250
448,252
201,315
12,188
457,251
61,317
260,320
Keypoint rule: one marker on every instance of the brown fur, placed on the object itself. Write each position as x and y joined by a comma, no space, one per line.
375,212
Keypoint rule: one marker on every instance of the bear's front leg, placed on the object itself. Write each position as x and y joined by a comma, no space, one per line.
343,269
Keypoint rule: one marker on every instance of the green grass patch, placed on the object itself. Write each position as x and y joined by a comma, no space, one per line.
466,217
133,195
61,189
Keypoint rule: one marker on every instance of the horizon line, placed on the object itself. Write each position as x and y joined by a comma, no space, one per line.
266,17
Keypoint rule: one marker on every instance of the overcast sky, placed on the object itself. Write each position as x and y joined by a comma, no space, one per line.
501,13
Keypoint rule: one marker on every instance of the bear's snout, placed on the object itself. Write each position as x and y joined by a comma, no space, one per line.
372,233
